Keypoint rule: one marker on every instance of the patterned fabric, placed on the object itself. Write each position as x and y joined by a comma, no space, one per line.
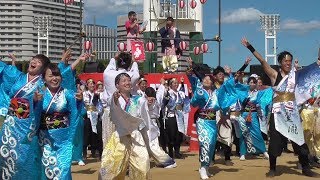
207,137
18,146
311,126
206,129
251,140
56,143
128,150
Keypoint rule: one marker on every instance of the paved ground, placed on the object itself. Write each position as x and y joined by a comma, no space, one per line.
253,168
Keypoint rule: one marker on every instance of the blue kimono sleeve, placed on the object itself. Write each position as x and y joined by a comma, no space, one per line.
8,76
195,82
68,77
186,105
264,99
72,107
227,94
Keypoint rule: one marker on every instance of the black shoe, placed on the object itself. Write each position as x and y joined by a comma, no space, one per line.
309,173
170,154
177,155
271,174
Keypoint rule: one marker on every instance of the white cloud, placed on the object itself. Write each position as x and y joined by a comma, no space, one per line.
231,49
299,26
111,6
241,15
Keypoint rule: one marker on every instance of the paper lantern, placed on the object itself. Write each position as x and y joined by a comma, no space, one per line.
150,46
204,47
196,50
181,4
203,1
68,2
193,4
87,45
122,46
183,45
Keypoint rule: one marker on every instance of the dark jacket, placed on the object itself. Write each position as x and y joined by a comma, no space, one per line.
166,42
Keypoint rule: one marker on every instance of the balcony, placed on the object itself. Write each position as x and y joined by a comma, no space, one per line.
169,9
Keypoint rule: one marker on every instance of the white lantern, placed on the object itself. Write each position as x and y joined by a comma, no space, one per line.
122,46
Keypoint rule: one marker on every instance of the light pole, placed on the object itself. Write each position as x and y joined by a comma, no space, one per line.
219,42
270,25
43,24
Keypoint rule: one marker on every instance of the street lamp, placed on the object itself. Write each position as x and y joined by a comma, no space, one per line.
43,24
270,25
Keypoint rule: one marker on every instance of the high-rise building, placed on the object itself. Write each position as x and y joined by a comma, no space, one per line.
18,34
103,40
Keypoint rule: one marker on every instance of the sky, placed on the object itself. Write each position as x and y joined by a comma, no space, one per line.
299,26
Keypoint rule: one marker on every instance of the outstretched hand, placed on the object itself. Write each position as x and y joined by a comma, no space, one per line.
66,56
189,61
84,57
248,60
227,69
245,42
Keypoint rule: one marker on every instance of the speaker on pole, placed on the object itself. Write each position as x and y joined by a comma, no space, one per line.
258,70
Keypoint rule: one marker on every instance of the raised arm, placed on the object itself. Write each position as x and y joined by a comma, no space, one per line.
271,73
245,65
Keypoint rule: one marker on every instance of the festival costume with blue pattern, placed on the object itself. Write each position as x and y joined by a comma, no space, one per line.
206,123
57,129
19,145
68,82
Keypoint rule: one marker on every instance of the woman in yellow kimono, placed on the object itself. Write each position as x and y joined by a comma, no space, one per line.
128,144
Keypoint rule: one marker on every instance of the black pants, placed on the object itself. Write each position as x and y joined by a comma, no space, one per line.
162,137
174,138
278,142
91,138
226,151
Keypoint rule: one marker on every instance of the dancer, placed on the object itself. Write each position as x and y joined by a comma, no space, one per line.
122,63
90,99
128,144
161,158
142,85
253,102
57,126
285,121
20,125
205,98
177,105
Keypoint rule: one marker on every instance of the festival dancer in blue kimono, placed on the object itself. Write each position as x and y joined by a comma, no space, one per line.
254,102
19,146
57,126
285,122
205,98
69,82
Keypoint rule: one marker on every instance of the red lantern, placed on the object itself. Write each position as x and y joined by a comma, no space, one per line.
181,4
87,45
183,45
68,2
196,50
204,47
122,46
203,1
150,46
193,4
